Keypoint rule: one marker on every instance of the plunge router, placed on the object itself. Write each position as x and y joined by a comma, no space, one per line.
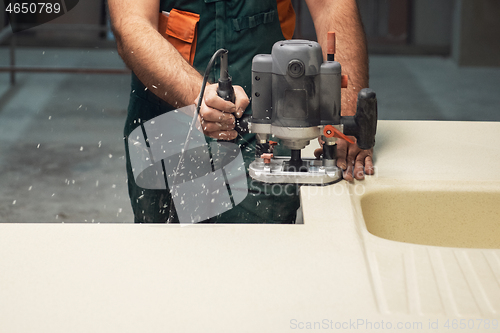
296,98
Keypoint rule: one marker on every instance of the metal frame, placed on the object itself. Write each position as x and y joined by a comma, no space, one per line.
6,33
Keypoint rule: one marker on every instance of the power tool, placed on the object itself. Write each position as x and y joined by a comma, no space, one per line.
296,97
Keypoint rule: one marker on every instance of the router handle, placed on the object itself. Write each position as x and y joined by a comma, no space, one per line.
363,125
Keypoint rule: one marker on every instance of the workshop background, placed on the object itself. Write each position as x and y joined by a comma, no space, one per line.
64,93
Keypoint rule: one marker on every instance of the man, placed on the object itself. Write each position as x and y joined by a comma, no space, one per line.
164,79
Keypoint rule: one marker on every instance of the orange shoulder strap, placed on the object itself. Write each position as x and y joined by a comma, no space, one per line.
286,14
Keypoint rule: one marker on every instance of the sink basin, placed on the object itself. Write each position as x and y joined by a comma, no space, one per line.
453,218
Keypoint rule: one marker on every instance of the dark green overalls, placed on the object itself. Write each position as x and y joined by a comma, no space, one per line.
245,28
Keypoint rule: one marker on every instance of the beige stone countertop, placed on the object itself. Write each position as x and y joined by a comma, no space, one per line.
328,274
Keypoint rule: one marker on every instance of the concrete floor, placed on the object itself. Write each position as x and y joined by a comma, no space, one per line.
62,150
61,141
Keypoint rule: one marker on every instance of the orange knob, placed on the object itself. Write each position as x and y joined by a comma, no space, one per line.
267,158
329,131
344,81
330,43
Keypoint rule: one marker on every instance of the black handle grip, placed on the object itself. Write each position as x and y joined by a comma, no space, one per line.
225,90
363,125
366,118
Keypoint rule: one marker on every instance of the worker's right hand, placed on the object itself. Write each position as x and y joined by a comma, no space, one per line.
217,116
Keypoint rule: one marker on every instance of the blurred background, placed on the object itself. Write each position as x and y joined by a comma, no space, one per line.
64,93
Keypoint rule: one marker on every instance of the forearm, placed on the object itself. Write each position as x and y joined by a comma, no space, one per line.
342,16
155,61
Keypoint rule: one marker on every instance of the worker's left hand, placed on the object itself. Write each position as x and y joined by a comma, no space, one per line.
353,160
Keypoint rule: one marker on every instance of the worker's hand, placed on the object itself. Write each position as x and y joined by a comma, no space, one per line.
217,116
354,161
